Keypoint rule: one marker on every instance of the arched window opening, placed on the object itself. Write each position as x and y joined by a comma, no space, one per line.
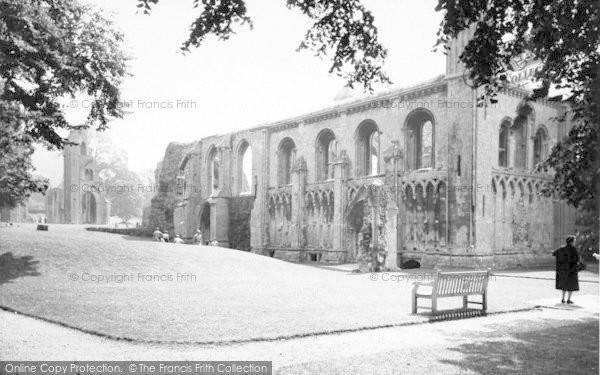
326,154
368,149
245,169
88,174
287,158
518,143
213,170
374,153
420,140
540,146
332,156
503,144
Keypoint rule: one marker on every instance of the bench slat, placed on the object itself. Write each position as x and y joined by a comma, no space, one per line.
472,284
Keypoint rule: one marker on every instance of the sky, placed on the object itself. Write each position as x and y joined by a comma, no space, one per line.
255,77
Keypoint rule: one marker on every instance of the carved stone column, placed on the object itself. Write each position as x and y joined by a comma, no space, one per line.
397,220
225,171
298,189
260,213
340,175
219,220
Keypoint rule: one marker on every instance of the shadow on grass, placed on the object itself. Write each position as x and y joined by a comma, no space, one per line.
12,267
571,349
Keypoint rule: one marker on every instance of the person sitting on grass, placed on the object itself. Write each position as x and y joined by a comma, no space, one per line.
178,239
165,236
157,234
566,269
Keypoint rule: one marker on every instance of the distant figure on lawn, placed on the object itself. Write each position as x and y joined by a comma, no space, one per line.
197,240
157,234
178,239
566,269
165,236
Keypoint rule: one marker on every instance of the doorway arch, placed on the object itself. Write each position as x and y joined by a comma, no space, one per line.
205,222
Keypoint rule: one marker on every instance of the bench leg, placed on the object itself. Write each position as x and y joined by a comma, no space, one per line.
414,303
433,305
465,302
484,302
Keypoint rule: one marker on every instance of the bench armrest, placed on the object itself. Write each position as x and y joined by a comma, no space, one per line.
421,283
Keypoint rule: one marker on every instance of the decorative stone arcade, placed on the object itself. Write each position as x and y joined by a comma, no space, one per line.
311,222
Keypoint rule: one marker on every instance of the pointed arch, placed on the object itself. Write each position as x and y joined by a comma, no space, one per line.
367,148
540,145
244,168
213,168
286,155
325,154
503,144
419,130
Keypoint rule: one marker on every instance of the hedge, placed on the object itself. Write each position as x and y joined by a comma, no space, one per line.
139,232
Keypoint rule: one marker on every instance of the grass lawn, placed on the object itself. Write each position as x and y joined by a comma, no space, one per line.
235,295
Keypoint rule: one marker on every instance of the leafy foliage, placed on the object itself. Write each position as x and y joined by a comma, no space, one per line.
16,181
55,48
240,210
344,28
123,185
162,206
587,238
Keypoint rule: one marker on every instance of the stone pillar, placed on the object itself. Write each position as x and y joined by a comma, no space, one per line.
260,214
219,220
225,171
391,237
298,189
396,215
107,208
340,175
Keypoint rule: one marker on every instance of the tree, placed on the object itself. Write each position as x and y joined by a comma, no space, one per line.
565,36
124,194
344,28
121,184
16,181
50,49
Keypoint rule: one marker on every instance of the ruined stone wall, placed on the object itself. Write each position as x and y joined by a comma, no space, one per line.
84,195
162,207
515,225
462,210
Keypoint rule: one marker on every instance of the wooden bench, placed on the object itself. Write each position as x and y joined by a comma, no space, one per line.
452,284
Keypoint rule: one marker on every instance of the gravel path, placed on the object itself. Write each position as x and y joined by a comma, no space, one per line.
526,342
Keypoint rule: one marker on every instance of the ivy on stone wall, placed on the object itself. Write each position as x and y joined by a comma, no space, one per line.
163,203
240,209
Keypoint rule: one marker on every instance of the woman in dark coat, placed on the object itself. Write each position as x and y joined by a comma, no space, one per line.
566,269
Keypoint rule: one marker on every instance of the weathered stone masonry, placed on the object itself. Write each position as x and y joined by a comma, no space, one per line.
459,179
